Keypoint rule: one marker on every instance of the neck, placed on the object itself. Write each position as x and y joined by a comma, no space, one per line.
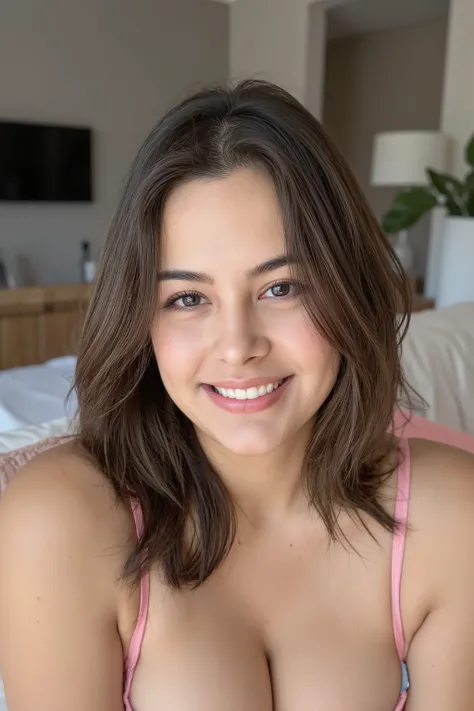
265,487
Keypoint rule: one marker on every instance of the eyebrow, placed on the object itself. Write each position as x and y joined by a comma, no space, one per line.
261,269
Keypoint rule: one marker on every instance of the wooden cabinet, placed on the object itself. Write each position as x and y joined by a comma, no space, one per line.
38,323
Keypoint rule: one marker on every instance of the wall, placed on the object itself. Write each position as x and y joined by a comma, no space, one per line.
316,59
457,116
113,65
269,40
388,80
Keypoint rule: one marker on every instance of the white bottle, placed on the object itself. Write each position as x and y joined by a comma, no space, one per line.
87,264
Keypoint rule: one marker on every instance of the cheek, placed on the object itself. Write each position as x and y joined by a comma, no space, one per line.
177,350
315,355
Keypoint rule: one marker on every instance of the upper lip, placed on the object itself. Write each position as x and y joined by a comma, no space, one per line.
249,383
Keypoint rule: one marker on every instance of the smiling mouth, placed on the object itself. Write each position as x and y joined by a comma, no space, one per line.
249,393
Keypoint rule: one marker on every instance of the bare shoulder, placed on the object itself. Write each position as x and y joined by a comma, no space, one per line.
442,512
442,478
64,539
60,495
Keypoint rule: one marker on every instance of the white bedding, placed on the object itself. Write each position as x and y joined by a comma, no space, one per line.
36,394
438,361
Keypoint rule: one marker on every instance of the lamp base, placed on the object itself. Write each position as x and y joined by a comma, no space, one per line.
404,252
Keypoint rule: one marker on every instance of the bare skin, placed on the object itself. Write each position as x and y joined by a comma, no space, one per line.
288,622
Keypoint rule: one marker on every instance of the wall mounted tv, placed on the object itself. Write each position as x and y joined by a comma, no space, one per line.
41,163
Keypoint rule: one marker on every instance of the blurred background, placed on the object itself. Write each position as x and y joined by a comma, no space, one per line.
113,67
82,82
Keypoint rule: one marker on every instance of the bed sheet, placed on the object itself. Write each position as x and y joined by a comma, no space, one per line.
438,361
36,394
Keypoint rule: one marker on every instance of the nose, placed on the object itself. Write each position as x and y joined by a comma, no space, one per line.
240,337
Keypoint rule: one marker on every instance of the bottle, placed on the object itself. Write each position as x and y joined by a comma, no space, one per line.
87,264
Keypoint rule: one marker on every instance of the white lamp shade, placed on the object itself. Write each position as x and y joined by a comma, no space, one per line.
401,157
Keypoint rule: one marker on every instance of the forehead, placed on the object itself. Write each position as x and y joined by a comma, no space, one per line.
234,221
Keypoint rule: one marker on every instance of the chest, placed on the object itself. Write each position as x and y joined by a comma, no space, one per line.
281,627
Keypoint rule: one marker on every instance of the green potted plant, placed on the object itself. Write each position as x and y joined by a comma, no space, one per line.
456,276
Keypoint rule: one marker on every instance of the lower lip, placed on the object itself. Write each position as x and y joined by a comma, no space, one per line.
247,406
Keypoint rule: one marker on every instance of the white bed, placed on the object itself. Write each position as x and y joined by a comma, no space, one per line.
438,361
36,394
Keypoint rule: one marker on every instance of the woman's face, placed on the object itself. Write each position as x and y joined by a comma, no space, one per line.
235,348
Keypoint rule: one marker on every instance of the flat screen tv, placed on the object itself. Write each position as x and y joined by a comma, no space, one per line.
41,163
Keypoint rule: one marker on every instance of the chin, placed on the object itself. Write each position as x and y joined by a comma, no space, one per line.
248,443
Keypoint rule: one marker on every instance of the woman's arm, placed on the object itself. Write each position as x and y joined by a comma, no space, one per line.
441,655
441,660
59,645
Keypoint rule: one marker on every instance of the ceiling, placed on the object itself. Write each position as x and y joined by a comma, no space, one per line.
360,16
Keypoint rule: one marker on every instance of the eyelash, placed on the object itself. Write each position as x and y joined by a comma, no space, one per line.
171,303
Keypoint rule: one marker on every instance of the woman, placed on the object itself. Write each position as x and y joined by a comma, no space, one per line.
233,527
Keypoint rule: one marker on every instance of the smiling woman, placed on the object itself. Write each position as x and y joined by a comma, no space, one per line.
245,328
236,523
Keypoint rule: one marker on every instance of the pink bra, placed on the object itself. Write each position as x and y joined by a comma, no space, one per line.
398,550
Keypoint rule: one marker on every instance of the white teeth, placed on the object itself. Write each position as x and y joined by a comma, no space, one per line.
250,393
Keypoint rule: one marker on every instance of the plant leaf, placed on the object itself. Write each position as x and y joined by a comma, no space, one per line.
453,208
469,182
397,220
408,207
414,199
470,193
470,203
445,184
470,151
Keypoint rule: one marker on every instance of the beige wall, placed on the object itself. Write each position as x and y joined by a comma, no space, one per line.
269,40
109,64
390,80
457,116
316,59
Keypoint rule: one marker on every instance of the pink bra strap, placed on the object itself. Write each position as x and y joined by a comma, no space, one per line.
398,545
139,631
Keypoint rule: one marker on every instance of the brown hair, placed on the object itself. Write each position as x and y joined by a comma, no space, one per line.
355,290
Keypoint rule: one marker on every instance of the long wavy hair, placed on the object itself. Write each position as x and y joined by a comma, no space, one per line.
356,296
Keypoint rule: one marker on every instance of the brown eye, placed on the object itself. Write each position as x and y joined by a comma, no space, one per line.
190,300
185,301
280,290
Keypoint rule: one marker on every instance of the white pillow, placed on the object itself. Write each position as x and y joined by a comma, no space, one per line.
14,439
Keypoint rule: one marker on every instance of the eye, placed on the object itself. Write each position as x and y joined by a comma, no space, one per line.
281,290
185,301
